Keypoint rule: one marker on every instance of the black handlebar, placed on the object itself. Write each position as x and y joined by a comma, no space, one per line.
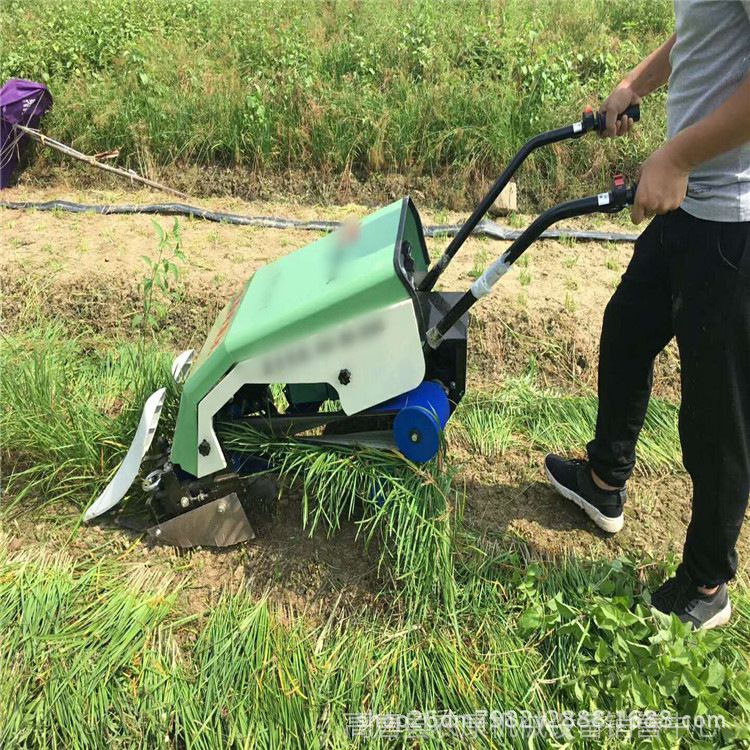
591,121
607,203
600,118
611,202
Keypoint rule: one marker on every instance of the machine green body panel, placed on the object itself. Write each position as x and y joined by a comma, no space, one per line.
340,276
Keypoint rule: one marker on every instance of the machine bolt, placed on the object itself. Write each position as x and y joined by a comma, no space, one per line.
204,448
221,507
184,501
345,377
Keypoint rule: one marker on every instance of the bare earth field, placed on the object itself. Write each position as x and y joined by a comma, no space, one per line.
545,315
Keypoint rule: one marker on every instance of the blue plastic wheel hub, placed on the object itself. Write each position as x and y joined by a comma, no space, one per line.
422,415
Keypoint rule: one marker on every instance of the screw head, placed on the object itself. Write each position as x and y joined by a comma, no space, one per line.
345,377
184,501
414,436
204,448
157,532
221,507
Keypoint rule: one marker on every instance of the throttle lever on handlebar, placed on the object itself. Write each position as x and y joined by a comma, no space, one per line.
619,196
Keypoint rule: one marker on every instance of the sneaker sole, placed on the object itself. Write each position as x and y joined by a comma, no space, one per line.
605,523
720,618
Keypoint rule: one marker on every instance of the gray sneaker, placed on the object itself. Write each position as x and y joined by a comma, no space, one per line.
572,479
680,596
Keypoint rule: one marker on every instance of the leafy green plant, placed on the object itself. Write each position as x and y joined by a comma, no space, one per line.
160,286
617,655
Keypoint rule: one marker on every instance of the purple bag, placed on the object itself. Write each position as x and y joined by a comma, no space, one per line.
22,102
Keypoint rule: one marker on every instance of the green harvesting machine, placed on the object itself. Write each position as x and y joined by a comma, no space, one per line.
343,342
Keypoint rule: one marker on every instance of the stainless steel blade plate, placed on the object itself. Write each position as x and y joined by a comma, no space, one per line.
220,523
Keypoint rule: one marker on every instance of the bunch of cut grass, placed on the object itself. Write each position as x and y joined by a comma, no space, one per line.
70,407
73,649
522,413
104,657
413,511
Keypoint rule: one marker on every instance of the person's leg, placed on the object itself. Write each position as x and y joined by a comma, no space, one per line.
637,326
711,276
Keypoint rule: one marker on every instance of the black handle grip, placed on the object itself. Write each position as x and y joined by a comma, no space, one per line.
620,195
634,111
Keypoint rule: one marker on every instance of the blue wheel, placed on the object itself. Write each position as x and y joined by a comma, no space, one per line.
418,425
417,434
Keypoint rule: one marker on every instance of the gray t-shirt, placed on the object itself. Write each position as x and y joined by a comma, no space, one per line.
709,60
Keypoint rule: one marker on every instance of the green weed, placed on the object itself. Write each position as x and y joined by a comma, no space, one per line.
160,286
569,303
480,263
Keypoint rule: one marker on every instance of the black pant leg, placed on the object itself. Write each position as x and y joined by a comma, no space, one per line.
711,279
637,326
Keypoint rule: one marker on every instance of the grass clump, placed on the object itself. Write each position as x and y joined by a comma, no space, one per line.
523,413
73,648
70,407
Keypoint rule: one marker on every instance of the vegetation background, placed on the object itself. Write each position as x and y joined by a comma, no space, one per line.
425,88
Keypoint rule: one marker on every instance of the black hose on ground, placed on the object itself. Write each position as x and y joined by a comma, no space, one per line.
483,229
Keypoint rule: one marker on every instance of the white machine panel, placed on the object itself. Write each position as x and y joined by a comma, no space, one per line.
381,351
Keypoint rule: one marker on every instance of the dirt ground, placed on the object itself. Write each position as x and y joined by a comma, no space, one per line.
546,313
